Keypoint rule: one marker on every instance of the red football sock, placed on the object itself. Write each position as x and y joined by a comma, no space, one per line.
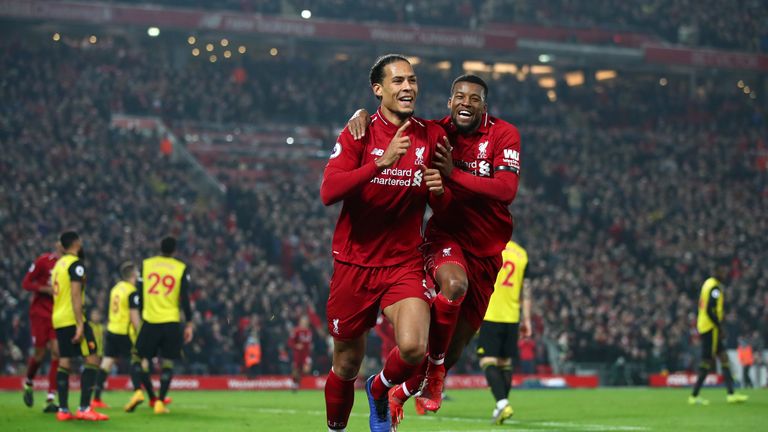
395,371
32,367
339,397
52,376
445,314
413,384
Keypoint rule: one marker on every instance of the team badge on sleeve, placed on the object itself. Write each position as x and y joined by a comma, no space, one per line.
336,150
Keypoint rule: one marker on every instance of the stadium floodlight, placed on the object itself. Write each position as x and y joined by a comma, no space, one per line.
289,140
663,81
93,39
56,37
241,49
545,58
306,14
153,32
191,40
273,52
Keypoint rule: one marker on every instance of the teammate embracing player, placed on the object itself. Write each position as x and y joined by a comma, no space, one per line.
384,183
463,242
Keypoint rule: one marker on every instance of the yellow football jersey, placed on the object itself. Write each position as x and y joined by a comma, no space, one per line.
161,284
119,309
710,291
67,269
504,306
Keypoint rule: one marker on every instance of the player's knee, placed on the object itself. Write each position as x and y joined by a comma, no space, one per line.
39,354
346,369
346,364
453,286
488,361
412,351
166,374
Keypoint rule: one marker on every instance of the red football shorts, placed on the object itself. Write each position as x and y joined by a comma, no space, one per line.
302,358
42,330
481,275
359,293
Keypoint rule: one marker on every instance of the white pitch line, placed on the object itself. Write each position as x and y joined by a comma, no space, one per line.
548,424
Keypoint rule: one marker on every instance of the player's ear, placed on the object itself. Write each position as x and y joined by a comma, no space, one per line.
377,89
449,102
485,107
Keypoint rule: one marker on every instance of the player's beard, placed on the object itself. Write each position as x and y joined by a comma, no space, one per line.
403,115
466,129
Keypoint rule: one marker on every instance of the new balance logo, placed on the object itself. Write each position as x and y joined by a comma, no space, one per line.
447,252
335,326
378,152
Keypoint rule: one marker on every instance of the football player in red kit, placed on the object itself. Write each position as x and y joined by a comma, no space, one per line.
463,242
385,184
37,280
301,344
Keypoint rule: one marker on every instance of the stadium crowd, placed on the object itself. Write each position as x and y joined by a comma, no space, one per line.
739,25
65,167
630,190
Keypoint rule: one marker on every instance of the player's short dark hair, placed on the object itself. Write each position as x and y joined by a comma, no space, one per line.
168,245
67,238
474,79
377,70
127,268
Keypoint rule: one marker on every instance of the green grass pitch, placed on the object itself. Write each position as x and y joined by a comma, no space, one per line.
599,410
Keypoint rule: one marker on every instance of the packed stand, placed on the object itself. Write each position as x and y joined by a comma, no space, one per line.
740,25
630,189
65,168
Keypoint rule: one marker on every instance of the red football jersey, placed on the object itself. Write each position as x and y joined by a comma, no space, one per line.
484,182
380,223
301,339
38,276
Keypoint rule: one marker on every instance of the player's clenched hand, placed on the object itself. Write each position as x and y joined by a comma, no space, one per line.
78,334
433,180
443,159
396,149
358,123
189,331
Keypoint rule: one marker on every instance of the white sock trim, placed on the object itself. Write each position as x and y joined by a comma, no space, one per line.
502,403
436,362
337,430
405,391
384,380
